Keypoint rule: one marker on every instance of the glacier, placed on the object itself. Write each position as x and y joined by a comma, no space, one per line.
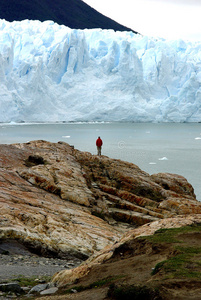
52,73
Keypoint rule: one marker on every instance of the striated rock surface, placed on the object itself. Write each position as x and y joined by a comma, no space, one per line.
32,210
62,201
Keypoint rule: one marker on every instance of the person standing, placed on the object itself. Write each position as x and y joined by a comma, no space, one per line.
99,144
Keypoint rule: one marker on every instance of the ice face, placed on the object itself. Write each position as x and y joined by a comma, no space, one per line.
52,73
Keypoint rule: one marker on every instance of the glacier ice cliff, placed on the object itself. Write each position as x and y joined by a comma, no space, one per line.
51,73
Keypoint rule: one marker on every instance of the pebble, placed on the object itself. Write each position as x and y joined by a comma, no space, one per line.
12,290
36,260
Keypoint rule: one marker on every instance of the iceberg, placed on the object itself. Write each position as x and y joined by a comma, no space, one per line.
52,73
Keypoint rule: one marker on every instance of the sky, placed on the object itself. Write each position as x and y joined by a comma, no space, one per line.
169,19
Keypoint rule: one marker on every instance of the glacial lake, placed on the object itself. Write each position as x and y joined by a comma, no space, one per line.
164,147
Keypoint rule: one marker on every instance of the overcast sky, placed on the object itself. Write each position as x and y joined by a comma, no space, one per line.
170,19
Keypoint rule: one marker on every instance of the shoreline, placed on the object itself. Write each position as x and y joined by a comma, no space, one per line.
17,261
16,266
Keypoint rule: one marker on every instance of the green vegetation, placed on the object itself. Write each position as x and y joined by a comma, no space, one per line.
31,281
185,264
185,260
172,235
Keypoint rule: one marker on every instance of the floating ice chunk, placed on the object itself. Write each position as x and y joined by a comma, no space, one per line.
152,163
163,158
198,138
66,136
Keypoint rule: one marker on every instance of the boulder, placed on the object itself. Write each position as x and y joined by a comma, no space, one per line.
11,287
49,291
38,288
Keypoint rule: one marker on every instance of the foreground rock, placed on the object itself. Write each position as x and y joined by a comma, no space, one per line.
59,201
37,217
11,287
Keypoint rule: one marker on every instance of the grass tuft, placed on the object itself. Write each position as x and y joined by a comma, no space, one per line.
30,281
185,261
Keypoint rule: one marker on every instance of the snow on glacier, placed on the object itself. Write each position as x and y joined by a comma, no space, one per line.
51,73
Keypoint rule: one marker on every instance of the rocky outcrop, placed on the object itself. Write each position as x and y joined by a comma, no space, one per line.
61,201
32,210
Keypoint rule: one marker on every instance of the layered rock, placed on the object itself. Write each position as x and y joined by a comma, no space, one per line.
59,200
37,216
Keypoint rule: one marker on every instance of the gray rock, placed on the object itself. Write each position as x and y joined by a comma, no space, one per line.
49,291
11,287
25,288
50,285
38,288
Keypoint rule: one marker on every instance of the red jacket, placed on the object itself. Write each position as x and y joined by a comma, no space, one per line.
99,142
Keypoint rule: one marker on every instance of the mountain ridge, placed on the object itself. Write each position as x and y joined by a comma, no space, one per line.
74,14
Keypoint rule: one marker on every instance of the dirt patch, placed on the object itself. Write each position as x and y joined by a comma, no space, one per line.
191,238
